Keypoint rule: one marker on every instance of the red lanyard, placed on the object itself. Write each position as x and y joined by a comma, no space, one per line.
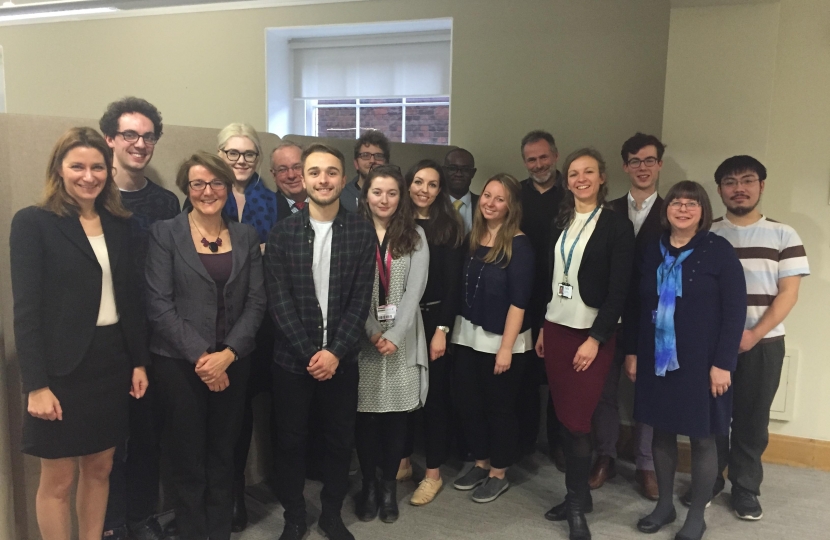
384,269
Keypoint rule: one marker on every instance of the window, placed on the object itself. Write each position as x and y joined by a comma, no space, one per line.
424,120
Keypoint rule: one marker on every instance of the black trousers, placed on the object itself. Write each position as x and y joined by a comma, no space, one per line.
380,439
487,405
754,385
529,405
134,480
201,431
294,397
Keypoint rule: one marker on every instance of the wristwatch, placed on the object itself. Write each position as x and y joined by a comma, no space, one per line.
235,354
445,329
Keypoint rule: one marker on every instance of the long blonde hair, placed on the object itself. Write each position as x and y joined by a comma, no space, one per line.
56,199
502,249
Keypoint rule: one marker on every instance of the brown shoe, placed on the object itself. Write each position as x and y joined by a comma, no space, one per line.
603,470
647,481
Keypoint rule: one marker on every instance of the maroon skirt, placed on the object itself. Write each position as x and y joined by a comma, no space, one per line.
575,394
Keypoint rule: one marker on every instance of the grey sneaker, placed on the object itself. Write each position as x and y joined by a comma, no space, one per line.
490,489
471,479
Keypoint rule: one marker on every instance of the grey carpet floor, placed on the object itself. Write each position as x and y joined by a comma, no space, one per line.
794,503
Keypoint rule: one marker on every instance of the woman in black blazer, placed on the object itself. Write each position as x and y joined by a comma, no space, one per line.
205,302
79,330
590,257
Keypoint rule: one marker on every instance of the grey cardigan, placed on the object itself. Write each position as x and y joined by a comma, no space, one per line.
181,296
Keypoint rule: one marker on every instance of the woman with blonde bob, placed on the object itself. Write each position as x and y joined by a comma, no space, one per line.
492,335
80,331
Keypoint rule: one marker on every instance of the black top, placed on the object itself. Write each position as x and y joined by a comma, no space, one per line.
538,212
605,271
488,290
292,298
219,267
56,286
283,207
444,281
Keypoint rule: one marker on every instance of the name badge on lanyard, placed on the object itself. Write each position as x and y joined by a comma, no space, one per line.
565,289
386,312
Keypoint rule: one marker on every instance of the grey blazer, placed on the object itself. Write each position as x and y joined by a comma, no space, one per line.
181,296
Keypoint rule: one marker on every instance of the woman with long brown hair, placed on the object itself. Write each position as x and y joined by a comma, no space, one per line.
80,331
393,355
492,335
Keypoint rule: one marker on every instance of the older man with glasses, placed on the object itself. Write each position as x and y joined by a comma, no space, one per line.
370,150
287,168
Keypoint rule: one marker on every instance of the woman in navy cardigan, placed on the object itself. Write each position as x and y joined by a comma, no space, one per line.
685,334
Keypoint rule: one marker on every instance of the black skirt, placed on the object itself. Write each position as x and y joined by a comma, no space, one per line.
94,399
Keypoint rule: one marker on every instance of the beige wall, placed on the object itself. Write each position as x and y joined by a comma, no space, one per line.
592,72
754,80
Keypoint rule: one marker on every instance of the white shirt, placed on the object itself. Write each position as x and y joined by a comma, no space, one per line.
107,311
466,210
638,217
477,338
572,312
321,268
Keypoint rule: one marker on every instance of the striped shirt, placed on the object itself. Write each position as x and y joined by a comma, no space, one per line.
769,251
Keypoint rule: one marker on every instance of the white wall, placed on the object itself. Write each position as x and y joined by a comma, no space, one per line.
755,79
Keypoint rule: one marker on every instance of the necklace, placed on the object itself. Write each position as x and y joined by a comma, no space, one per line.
467,280
212,246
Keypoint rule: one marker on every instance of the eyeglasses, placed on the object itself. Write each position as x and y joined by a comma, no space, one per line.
279,171
648,162
200,185
234,155
379,157
131,136
691,205
732,182
453,169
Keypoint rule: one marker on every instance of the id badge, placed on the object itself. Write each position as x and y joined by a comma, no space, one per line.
565,291
387,312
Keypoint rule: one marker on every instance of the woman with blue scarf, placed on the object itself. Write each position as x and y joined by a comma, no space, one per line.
683,334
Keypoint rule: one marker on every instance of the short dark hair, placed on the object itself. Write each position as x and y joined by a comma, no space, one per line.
211,162
538,135
460,150
739,164
688,189
131,104
640,141
318,148
375,138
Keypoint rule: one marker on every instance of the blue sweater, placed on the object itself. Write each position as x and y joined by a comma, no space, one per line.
488,290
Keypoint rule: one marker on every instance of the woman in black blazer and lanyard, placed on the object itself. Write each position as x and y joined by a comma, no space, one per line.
590,258
79,330
205,302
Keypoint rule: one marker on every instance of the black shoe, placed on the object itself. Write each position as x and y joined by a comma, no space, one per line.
745,504
366,504
577,524
649,525
118,533
679,536
148,529
293,531
171,530
333,527
720,483
560,511
388,501
240,511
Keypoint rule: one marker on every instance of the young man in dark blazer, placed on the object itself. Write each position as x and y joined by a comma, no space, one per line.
642,157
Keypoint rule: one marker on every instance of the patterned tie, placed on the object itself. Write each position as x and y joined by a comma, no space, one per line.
458,204
300,204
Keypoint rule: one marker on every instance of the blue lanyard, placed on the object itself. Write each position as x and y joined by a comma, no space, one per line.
571,253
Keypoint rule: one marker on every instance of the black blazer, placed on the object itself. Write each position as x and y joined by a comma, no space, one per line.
605,272
56,285
283,207
181,296
651,228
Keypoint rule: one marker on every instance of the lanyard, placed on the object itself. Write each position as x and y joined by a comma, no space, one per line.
571,252
384,265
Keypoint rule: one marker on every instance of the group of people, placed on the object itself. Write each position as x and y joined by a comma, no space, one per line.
373,308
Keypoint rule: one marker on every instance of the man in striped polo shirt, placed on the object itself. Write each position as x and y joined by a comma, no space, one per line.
774,261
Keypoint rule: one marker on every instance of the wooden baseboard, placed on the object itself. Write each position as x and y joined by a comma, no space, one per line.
782,450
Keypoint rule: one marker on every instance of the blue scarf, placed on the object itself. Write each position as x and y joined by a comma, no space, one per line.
669,288
260,211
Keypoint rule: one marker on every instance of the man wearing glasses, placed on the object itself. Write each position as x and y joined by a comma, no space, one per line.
460,168
132,127
642,159
371,149
774,261
287,168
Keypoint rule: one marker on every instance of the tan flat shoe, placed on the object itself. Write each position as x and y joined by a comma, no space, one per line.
427,490
404,474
